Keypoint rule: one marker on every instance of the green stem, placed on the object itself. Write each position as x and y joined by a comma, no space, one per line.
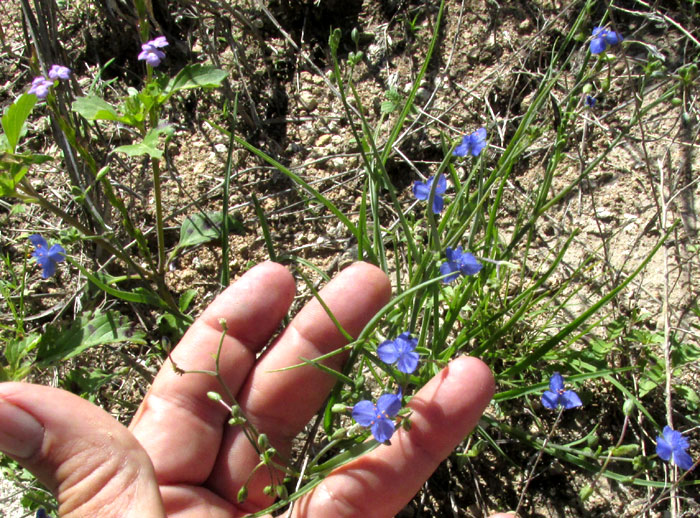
155,164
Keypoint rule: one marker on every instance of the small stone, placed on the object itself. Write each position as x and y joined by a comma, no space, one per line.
323,140
525,26
308,101
604,214
337,164
221,148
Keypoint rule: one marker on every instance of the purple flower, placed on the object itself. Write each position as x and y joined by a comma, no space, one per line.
590,101
400,351
472,143
602,37
671,446
59,72
150,53
556,395
40,87
421,190
380,416
47,257
457,263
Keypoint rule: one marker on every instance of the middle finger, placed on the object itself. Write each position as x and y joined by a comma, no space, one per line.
280,404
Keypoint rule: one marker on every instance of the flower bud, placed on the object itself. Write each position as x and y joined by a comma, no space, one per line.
340,433
281,491
585,493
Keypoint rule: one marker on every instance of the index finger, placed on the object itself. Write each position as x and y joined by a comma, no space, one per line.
177,424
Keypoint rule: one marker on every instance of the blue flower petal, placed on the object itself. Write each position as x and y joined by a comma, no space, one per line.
463,148
682,460
675,439
570,399
408,362
478,139
364,413
453,255
598,45
383,429
438,204
556,383
468,264
56,253
406,337
388,352
449,267
550,400
421,190
405,343
38,241
612,37
441,186
49,267
389,404
663,448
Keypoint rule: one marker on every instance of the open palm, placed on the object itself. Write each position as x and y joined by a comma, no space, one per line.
179,458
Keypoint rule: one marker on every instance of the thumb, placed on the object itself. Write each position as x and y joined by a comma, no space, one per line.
93,464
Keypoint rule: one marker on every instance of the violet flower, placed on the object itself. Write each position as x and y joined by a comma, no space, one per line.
150,52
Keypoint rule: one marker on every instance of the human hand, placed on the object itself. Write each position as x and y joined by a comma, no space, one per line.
180,459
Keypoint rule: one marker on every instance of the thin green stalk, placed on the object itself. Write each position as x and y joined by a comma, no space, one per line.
157,195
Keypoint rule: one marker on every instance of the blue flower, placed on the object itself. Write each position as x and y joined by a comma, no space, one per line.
556,395
590,101
400,351
472,143
459,262
421,190
150,53
378,417
40,87
671,446
47,257
59,72
602,37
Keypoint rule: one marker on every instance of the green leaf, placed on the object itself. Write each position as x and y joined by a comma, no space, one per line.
15,117
87,380
61,343
15,352
186,299
7,160
9,181
148,146
194,76
201,228
95,108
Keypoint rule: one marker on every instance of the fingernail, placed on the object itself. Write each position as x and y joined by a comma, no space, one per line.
20,434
